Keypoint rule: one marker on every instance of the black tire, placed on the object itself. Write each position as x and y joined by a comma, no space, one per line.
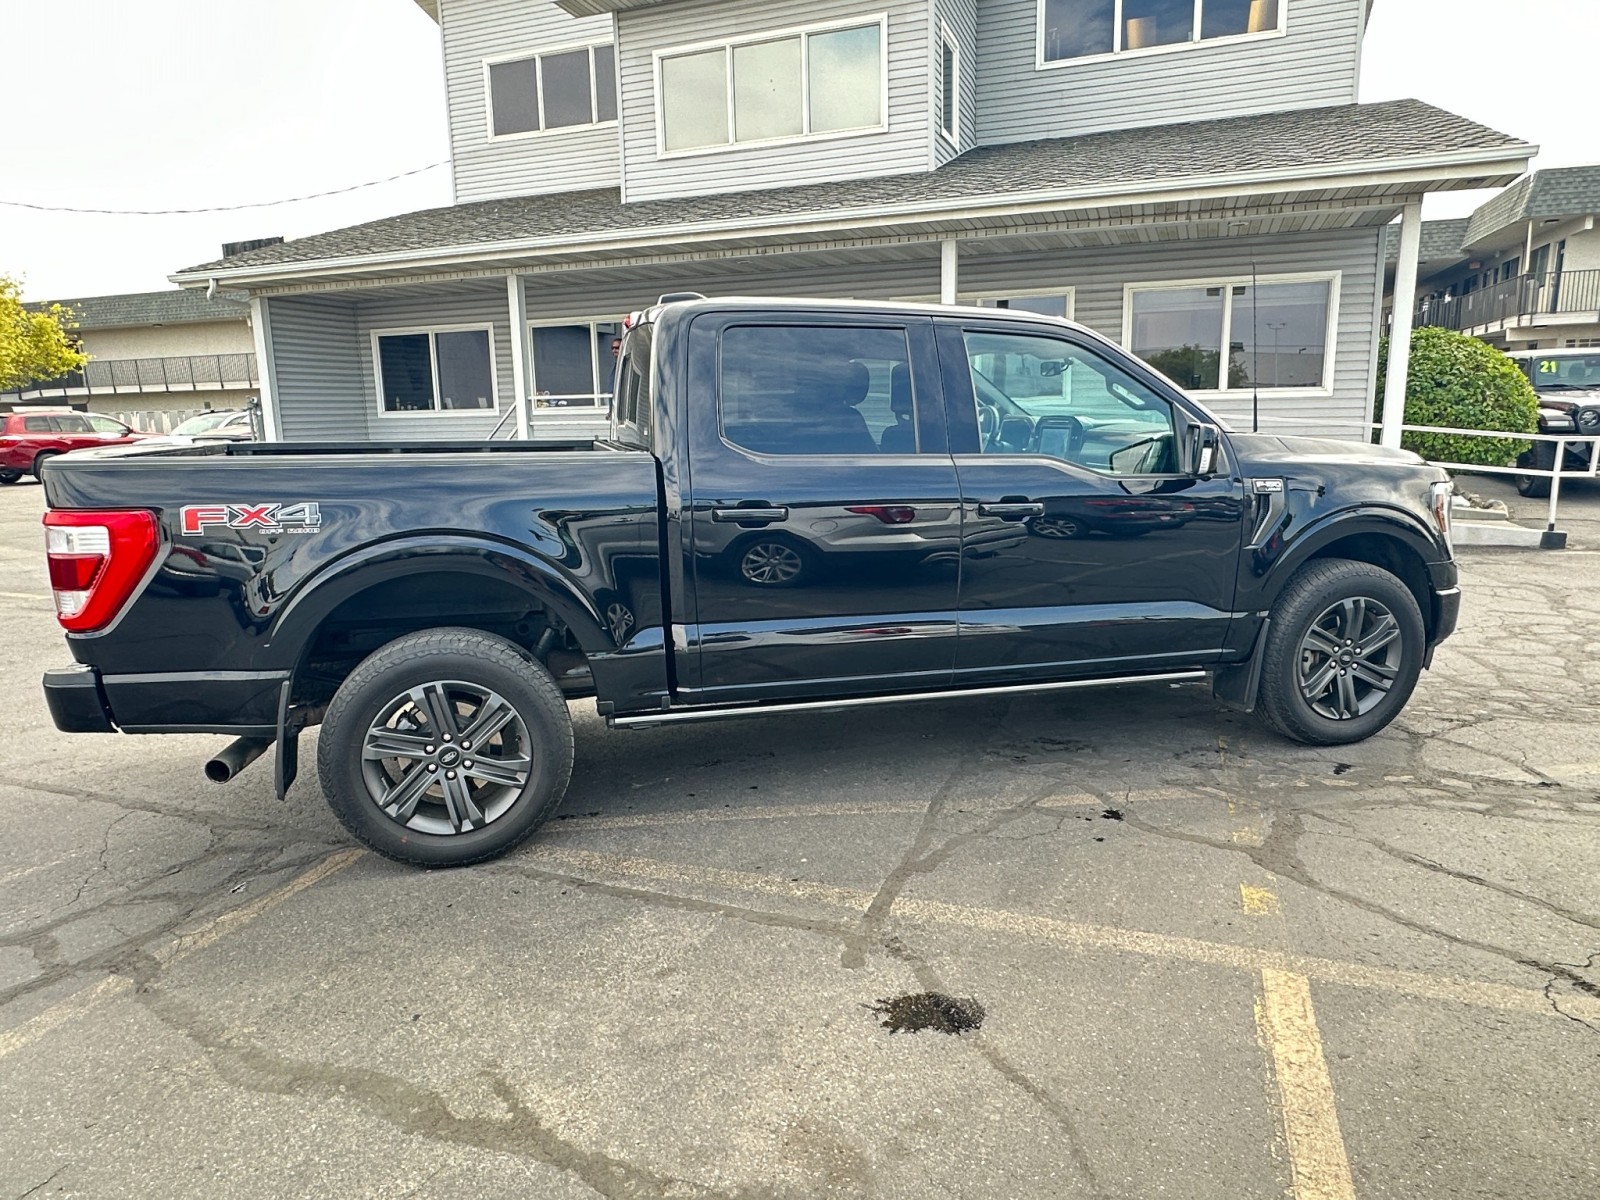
442,826
9,477
39,461
1303,658
1541,458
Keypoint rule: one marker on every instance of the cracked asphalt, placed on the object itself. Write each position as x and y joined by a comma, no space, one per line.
1214,964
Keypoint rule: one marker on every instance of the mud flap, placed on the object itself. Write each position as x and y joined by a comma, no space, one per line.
286,760
1238,684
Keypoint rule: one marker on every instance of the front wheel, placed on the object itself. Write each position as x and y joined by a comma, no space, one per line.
445,748
1343,654
39,461
1541,458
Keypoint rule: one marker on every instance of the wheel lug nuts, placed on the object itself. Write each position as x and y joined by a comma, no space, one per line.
427,749
467,764
447,736
433,768
449,774
466,745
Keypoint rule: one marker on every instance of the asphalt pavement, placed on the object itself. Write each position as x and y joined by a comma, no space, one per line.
1210,964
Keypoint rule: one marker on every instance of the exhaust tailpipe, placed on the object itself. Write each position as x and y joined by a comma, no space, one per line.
235,758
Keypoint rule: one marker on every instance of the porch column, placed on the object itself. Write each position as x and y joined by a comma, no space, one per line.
517,301
1405,307
949,271
266,369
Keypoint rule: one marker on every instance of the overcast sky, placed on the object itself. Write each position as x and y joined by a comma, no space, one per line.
169,104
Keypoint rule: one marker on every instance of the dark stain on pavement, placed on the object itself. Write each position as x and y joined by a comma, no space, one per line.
928,1010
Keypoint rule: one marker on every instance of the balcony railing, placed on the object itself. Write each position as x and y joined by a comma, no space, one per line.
197,373
1521,300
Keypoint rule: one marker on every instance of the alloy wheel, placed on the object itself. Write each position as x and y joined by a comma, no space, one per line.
446,757
771,563
1350,658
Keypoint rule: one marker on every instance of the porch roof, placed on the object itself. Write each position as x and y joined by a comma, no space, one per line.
1335,155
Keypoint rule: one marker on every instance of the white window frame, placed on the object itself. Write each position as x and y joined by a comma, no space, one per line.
803,32
538,56
1070,294
605,401
1041,63
1334,280
947,41
433,353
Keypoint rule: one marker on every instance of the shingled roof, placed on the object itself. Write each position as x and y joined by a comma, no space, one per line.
1441,240
1559,192
176,307
1296,146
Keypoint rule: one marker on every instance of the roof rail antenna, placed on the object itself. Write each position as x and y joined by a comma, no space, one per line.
675,297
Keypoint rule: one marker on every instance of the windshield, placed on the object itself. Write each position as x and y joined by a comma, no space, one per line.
1563,372
204,423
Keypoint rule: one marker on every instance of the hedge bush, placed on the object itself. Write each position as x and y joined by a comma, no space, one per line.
1460,382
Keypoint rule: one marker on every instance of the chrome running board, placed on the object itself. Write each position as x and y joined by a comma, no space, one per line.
679,715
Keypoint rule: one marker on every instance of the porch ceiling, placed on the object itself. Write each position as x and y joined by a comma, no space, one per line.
1314,165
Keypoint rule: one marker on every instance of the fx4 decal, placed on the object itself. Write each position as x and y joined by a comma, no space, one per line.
268,518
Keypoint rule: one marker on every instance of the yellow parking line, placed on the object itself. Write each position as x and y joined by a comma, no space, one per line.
1257,901
80,1003
1288,1027
1078,934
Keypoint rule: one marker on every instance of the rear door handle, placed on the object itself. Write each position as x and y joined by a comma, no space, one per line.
1011,512
751,515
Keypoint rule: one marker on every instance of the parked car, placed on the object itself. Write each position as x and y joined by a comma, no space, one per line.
223,424
30,438
1568,384
434,606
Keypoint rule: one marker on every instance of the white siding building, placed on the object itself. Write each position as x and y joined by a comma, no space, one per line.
1194,181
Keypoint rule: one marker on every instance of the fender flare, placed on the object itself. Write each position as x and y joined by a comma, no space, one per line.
320,594
1396,524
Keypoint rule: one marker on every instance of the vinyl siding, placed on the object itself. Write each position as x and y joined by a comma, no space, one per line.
556,161
319,395
1100,276
1315,64
960,19
420,311
901,149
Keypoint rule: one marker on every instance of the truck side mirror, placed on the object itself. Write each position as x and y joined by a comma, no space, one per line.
1204,441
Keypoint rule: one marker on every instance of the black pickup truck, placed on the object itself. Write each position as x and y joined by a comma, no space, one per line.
800,505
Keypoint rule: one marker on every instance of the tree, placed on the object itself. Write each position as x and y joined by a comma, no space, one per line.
1458,382
34,343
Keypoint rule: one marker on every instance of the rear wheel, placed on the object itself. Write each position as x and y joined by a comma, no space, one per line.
10,476
446,748
1343,654
39,461
1541,458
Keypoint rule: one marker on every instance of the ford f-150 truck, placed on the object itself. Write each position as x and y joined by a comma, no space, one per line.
799,505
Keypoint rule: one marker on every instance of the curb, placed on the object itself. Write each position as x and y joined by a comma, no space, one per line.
1504,534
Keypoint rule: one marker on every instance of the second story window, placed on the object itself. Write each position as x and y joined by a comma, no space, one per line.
797,83
949,86
552,91
1077,29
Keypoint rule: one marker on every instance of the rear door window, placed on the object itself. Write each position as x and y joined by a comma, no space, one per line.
37,425
817,389
72,423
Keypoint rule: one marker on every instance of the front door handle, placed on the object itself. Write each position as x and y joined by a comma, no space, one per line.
1012,511
751,516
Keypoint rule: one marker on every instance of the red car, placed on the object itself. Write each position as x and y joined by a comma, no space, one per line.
27,439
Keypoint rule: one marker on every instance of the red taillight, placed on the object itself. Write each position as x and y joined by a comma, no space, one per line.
96,561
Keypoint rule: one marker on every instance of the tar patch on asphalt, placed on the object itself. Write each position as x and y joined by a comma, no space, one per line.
928,1010
1112,814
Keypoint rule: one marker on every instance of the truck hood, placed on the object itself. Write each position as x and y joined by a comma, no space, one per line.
1271,451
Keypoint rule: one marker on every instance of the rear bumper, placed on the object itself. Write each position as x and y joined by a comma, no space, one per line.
236,703
77,702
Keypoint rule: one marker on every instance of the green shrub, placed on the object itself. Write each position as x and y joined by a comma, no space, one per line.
1462,383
